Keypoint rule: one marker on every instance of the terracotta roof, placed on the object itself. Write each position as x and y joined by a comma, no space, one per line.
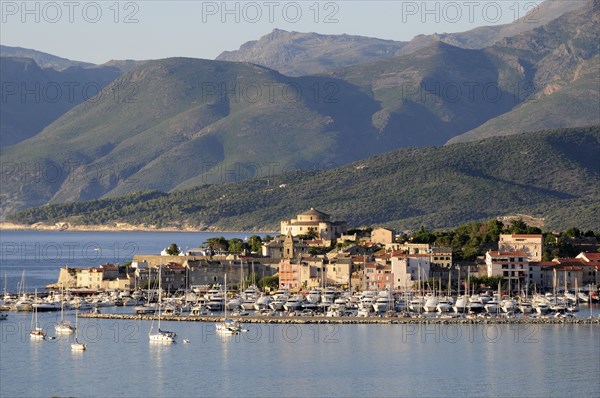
314,212
404,255
524,235
579,262
495,253
542,263
303,223
590,256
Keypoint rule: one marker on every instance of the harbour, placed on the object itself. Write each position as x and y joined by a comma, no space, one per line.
305,343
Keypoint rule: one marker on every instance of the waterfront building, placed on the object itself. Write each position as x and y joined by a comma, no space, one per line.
409,268
512,266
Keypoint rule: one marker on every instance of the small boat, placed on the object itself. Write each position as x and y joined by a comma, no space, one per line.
36,332
3,316
228,326
76,345
63,327
162,336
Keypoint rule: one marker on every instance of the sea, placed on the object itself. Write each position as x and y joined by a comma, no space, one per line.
271,360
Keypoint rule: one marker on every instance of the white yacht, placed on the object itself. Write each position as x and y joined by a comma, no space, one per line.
493,305
416,304
460,306
217,303
431,304
508,306
541,307
294,303
383,304
278,303
233,304
314,296
525,307
262,303
583,297
444,304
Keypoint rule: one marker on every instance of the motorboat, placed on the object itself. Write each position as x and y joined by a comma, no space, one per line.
294,303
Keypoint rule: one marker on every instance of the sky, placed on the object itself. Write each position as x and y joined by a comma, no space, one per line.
98,31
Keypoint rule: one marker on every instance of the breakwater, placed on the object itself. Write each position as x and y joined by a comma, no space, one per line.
350,319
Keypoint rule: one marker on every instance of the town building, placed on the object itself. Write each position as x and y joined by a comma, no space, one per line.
284,247
531,244
408,269
316,222
383,235
512,266
302,273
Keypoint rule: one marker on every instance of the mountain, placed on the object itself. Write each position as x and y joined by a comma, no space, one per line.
576,104
188,118
43,60
34,97
299,54
551,174
180,119
560,61
486,36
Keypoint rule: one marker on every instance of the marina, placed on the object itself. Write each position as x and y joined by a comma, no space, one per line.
311,342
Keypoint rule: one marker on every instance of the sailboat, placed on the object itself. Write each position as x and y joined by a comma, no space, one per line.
63,327
162,336
36,332
228,326
76,345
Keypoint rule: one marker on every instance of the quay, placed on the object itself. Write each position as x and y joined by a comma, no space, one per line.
350,319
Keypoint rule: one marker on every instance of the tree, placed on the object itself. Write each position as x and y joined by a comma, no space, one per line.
269,281
255,243
573,232
173,250
219,243
236,245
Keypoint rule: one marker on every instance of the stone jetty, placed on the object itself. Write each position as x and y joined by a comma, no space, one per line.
350,319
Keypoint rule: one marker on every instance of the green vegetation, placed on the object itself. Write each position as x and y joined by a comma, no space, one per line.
173,250
551,174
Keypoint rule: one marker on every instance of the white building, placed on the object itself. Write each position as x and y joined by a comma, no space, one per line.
512,266
409,268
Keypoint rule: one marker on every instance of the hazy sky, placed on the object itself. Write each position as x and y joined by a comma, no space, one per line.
103,30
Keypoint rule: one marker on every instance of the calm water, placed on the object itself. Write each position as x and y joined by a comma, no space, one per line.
302,360
42,253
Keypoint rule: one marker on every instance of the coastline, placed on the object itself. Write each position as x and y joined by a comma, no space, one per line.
116,227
